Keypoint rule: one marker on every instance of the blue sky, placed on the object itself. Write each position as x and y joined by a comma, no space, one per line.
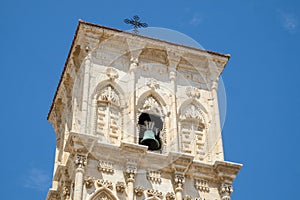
261,80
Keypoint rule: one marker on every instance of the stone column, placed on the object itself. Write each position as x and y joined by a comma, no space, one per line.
131,171
80,163
173,62
133,66
172,77
86,82
179,182
225,191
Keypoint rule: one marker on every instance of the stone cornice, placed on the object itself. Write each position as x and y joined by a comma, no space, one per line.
174,162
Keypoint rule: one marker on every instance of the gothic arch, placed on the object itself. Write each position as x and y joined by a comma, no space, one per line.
152,94
192,126
112,84
107,112
192,101
152,106
103,194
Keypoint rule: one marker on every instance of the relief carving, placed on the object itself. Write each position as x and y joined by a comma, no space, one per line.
111,73
187,197
80,161
152,105
110,95
139,191
154,193
154,176
120,187
170,196
201,185
89,182
104,183
152,83
225,191
192,92
106,167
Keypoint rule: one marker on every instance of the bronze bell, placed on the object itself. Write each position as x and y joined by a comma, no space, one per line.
150,140
149,137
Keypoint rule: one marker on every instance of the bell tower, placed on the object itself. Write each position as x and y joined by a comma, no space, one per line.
137,118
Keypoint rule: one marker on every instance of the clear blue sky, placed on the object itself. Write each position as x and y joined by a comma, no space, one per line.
262,83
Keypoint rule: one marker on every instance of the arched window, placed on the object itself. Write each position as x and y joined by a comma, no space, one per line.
150,123
109,118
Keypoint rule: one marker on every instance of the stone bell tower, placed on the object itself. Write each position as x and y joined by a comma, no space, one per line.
137,118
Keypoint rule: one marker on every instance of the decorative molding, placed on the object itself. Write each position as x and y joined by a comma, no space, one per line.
179,180
104,183
170,196
192,92
192,111
152,84
66,192
89,182
109,94
187,197
80,161
225,191
106,167
111,73
134,62
131,170
202,185
154,176
139,191
154,193
151,104
120,187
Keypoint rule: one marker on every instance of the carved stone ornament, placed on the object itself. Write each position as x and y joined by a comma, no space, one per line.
170,196
154,176
201,185
120,187
104,183
139,191
154,193
152,105
110,95
89,182
225,191
192,112
106,167
111,73
80,161
134,62
192,92
103,196
152,84
66,192
131,167
187,197
179,179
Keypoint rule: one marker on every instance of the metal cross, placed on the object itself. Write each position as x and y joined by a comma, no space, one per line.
136,23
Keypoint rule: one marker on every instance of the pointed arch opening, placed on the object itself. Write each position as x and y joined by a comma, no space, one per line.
151,114
103,194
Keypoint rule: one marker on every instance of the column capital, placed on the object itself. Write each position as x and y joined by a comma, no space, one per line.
131,170
134,63
179,181
225,191
80,161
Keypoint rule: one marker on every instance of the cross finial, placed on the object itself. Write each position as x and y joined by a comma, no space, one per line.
136,23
